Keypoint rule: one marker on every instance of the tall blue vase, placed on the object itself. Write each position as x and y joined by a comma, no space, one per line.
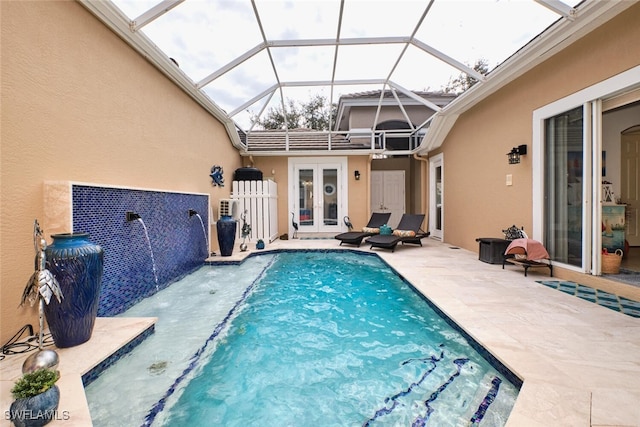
77,264
226,227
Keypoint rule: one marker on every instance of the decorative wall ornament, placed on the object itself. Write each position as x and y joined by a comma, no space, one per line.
216,176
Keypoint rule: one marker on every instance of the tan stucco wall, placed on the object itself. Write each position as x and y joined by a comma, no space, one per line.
359,191
362,117
477,201
79,105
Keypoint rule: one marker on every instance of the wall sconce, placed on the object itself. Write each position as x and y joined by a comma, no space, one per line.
356,174
515,153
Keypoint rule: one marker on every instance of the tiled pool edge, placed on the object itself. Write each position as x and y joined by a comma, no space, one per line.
112,358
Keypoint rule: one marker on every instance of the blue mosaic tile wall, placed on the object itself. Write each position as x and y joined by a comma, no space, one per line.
176,241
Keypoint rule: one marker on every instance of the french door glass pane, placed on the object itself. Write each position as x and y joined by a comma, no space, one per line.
439,198
305,184
330,190
564,175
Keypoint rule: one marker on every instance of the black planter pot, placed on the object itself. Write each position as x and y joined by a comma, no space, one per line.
226,227
35,411
77,264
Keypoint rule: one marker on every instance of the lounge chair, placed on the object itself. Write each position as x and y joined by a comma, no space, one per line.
527,253
408,231
377,220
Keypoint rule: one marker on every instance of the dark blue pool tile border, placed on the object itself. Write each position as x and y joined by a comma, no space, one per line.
97,370
493,361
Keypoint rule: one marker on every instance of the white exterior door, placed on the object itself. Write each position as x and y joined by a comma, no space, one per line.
388,194
318,194
436,193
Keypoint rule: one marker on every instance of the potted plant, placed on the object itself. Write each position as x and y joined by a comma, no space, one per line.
36,398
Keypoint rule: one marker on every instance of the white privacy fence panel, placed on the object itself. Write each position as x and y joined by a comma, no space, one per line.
260,201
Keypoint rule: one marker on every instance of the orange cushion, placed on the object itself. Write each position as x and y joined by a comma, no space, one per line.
370,230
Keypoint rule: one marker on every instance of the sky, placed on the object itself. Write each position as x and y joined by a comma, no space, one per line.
205,35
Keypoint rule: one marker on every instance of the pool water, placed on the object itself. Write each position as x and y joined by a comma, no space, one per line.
322,338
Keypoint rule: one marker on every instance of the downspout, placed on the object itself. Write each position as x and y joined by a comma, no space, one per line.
424,192
369,185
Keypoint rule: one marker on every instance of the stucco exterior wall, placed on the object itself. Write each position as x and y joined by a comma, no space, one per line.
362,117
79,105
477,201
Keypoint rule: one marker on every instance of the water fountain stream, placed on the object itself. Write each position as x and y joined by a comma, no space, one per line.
132,216
204,231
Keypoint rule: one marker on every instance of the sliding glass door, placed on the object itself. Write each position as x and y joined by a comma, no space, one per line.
564,186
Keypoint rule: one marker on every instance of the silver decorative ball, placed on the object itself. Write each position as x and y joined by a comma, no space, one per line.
243,247
42,359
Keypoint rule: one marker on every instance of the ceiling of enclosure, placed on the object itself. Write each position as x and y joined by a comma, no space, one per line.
248,56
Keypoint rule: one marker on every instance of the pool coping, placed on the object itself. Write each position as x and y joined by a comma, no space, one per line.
579,362
110,336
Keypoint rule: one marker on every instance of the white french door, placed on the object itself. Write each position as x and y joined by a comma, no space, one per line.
318,194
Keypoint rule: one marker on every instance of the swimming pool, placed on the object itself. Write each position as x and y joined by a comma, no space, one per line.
312,344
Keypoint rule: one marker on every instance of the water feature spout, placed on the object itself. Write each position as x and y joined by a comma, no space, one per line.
132,216
193,212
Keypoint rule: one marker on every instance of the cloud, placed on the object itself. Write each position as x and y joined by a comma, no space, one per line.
204,36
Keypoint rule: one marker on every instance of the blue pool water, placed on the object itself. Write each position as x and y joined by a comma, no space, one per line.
316,338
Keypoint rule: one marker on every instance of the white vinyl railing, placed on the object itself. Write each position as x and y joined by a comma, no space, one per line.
259,199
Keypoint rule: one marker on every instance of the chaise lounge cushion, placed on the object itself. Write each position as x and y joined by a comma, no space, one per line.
404,233
371,230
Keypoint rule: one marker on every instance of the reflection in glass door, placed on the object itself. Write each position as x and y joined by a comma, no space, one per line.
330,196
305,200
564,178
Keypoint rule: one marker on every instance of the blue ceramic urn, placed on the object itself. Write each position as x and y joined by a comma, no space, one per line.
77,264
226,227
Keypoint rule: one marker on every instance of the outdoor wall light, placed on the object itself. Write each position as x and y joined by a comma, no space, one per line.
515,153
356,174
